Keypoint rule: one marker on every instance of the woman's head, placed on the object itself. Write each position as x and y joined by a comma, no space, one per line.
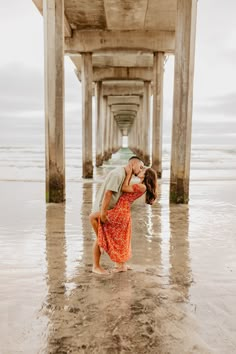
149,178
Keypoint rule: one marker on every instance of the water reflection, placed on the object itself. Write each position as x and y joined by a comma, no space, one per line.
98,311
180,266
86,231
146,235
56,266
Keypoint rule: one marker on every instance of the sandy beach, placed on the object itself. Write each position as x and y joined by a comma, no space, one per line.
179,297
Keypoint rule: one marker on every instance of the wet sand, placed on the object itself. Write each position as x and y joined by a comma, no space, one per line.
179,298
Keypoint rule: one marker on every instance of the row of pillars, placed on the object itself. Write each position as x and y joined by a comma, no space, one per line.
108,134
182,108
108,131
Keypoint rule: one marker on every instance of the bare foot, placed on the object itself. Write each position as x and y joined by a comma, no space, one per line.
122,268
100,270
129,267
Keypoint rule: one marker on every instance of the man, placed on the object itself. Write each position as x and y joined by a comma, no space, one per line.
107,197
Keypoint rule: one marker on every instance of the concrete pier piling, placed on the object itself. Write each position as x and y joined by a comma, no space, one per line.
54,100
99,125
158,73
87,115
183,100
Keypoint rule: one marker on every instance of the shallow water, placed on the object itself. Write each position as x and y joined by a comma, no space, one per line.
179,298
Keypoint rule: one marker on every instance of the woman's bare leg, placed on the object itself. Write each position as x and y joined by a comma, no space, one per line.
94,222
96,249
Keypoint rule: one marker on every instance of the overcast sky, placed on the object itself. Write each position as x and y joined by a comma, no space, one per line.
21,62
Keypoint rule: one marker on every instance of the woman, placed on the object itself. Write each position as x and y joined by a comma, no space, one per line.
114,236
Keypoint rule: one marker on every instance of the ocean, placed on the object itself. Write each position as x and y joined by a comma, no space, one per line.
213,150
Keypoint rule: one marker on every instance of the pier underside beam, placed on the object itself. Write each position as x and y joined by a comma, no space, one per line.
101,40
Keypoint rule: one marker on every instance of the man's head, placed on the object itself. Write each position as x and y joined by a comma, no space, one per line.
137,165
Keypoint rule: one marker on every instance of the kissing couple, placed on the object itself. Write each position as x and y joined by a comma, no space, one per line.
111,215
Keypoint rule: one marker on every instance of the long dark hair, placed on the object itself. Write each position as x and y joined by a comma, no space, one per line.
150,181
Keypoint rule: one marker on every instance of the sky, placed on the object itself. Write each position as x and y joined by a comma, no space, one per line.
21,65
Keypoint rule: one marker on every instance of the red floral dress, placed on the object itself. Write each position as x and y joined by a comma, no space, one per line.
114,236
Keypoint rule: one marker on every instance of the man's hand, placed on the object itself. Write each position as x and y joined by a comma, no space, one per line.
104,217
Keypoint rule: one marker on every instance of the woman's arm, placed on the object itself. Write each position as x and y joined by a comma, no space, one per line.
126,187
129,188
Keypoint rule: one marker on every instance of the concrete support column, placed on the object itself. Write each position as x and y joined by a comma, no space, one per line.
104,119
137,132
120,138
107,111
140,119
130,139
111,134
158,73
99,125
146,123
117,137
53,12
87,142
183,96
134,136
141,132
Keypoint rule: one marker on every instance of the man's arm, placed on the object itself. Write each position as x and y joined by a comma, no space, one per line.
105,203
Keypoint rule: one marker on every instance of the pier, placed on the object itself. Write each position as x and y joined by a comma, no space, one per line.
118,49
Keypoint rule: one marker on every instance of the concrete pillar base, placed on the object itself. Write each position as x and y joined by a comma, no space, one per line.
56,192
146,160
179,191
156,167
99,160
106,156
140,154
88,169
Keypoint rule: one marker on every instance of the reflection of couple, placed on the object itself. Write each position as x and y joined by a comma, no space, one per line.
111,217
